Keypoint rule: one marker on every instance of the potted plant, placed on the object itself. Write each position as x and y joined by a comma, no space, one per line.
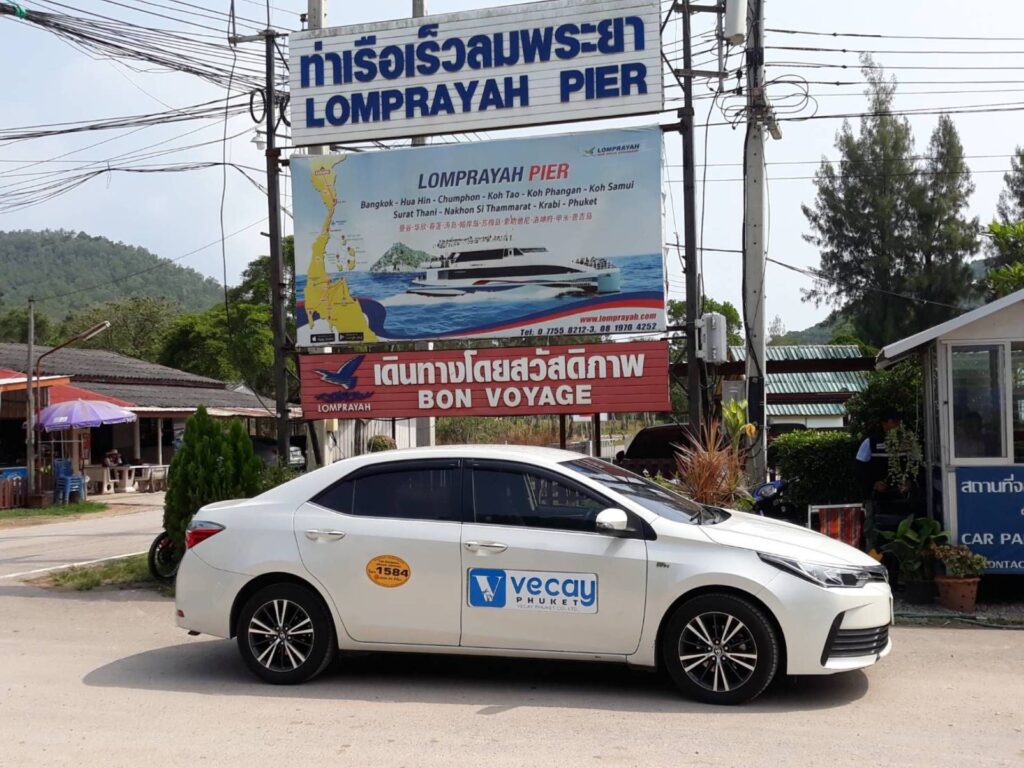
913,545
958,589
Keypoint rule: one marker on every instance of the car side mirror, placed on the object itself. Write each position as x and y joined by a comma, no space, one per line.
611,519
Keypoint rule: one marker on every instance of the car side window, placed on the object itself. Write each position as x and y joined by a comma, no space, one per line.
520,497
423,493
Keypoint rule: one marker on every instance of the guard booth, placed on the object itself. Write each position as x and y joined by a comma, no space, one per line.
973,369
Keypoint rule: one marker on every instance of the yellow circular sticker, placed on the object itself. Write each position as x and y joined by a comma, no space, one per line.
388,571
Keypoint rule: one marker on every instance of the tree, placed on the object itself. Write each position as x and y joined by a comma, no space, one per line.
236,347
889,227
899,388
138,325
776,329
14,326
1006,243
1005,280
1010,207
197,474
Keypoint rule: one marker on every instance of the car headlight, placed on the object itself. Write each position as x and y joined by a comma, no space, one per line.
828,575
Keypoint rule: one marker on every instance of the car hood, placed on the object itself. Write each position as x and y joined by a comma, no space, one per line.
775,537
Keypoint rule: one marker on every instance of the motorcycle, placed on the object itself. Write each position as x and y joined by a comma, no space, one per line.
770,501
163,558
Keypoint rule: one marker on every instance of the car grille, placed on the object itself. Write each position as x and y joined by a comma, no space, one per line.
856,642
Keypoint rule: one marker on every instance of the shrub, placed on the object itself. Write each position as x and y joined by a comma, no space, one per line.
711,469
960,561
819,467
212,464
377,443
275,475
898,388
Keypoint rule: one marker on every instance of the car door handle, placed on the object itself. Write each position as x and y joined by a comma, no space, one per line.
486,547
319,534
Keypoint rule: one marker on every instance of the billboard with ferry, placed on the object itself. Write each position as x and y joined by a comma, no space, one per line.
551,236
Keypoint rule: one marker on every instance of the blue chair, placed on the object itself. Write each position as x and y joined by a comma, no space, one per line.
65,483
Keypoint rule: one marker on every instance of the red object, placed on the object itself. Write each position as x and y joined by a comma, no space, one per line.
508,381
200,531
844,523
63,393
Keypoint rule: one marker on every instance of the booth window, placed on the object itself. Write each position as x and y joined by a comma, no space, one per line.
978,401
1017,382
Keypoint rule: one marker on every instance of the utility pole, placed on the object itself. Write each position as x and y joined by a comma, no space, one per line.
277,298
419,10
30,406
316,18
694,384
273,155
758,115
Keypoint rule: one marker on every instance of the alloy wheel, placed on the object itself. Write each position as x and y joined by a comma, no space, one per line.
717,651
281,635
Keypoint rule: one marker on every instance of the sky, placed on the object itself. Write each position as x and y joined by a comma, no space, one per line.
176,214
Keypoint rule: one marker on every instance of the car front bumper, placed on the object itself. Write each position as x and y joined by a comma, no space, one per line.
830,630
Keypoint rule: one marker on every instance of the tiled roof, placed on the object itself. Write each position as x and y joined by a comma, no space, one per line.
806,409
817,381
157,396
802,352
88,365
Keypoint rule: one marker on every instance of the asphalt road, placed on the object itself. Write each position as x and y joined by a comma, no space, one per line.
105,679
37,548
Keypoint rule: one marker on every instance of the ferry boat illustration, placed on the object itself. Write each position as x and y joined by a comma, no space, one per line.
502,269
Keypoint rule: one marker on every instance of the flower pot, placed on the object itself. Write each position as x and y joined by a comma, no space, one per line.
919,592
958,594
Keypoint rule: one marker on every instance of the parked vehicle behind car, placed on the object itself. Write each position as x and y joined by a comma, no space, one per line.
652,450
525,551
266,449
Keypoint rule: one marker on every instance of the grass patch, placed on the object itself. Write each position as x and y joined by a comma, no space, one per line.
125,572
64,510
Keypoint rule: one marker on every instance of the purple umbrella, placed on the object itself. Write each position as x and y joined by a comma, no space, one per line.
81,414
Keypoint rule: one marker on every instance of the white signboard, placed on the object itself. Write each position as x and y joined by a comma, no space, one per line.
530,64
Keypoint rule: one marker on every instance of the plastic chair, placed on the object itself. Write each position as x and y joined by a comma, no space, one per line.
65,483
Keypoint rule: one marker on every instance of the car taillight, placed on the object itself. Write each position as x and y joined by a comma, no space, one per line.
200,530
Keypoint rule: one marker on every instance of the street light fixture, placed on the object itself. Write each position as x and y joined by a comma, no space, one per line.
85,335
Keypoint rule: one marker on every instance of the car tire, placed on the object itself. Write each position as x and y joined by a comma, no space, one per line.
285,634
720,649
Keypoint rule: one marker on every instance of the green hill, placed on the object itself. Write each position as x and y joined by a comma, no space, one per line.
400,258
68,271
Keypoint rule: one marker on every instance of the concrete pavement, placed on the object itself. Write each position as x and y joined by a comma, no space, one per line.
105,679
37,548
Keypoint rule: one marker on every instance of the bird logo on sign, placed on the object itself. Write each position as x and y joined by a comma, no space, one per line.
345,376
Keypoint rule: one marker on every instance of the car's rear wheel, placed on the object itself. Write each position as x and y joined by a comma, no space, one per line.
285,634
720,648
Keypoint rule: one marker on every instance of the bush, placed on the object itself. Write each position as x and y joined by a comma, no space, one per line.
275,475
711,468
378,443
899,388
820,467
214,463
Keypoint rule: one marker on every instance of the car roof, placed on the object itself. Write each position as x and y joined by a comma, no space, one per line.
312,482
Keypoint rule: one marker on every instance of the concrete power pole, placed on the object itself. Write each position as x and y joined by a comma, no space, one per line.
758,114
30,406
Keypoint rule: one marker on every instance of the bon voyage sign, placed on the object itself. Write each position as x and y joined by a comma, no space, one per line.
517,65
508,381
552,236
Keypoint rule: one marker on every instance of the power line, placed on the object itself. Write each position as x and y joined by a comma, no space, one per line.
891,37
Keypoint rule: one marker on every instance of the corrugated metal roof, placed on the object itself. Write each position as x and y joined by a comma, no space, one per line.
817,381
806,409
802,352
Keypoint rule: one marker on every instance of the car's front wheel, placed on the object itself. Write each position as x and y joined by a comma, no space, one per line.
285,634
720,648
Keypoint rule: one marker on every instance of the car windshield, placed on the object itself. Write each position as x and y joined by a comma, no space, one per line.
647,493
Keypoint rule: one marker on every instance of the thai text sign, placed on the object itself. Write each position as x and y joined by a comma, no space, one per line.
509,381
550,236
990,515
550,62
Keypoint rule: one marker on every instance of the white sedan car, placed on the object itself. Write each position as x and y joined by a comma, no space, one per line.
515,551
